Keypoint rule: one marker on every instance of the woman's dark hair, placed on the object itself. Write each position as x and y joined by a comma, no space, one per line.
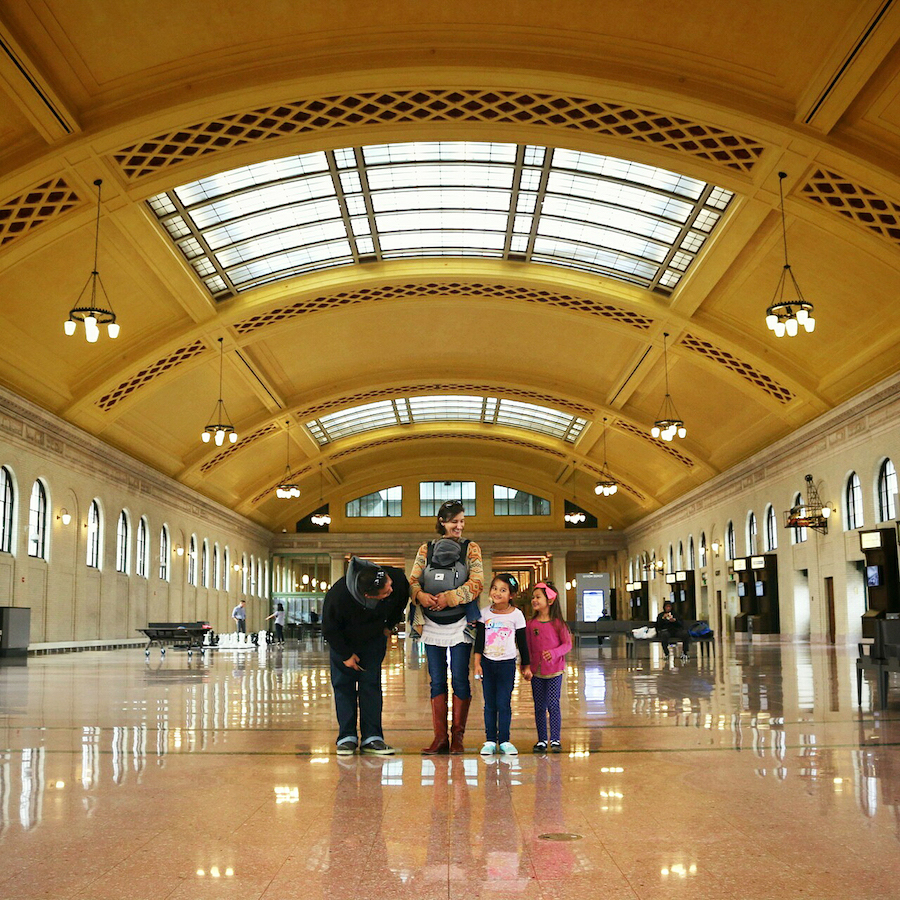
280,607
509,580
450,509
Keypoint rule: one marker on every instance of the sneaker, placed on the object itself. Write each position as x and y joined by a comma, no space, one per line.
489,748
555,747
346,748
508,749
378,748
684,657
539,747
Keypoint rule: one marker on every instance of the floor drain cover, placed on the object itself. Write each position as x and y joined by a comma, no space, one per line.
559,836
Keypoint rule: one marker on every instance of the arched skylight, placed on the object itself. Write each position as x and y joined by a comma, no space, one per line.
277,219
446,408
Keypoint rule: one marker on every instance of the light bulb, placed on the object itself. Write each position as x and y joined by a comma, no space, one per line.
655,431
69,326
66,518
613,489
279,493
233,437
682,432
779,329
771,320
91,331
220,437
205,437
113,330
810,324
802,315
791,327
826,512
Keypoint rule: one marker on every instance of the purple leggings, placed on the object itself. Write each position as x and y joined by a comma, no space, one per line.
546,700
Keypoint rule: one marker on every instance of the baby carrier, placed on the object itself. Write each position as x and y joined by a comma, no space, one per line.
446,569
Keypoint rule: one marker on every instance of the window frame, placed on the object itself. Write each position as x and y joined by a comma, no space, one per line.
123,538
887,490
38,521
165,546
142,549
94,540
853,500
7,510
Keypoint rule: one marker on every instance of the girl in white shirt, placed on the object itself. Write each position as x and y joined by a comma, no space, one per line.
501,631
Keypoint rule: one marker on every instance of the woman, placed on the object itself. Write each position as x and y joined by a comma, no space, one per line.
278,616
445,627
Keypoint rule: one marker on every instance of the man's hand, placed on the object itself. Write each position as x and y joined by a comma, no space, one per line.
353,663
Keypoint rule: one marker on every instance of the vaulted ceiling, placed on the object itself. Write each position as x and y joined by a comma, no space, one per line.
496,269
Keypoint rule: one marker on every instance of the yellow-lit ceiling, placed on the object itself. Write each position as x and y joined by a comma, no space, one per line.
726,95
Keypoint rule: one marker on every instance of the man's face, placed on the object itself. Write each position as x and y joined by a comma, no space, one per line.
385,591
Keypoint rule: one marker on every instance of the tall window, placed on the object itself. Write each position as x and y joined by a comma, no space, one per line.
887,491
215,572
702,549
252,577
679,559
379,504
854,502
671,558
93,535
433,493
691,556
7,500
37,521
771,529
192,562
511,502
164,553
729,541
244,573
204,564
752,534
799,535
122,543
142,561
226,569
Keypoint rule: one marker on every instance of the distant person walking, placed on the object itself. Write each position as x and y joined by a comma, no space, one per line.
239,614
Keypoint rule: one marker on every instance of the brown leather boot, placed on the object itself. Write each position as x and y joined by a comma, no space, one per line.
460,715
441,743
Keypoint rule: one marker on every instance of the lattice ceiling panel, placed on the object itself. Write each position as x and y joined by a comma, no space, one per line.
864,207
38,205
745,370
684,136
448,289
660,445
242,443
145,376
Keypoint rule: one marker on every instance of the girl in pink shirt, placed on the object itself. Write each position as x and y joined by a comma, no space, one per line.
548,643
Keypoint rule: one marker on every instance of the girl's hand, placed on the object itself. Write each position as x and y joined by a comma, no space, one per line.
547,655
479,674
526,673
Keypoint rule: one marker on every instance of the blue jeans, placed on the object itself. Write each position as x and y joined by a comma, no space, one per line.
459,669
498,681
359,693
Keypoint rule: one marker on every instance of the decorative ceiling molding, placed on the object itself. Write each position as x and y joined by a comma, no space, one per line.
645,435
679,135
442,289
240,445
35,207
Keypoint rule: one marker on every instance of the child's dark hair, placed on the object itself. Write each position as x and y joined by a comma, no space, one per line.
509,580
554,608
450,509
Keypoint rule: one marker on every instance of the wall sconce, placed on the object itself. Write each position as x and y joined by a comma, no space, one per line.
64,516
715,546
237,567
179,550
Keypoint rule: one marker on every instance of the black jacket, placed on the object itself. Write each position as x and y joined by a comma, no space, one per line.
348,626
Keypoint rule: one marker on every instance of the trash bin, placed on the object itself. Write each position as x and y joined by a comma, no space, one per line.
15,630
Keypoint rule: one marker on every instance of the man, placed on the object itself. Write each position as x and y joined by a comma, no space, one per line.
669,628
360,611
239,614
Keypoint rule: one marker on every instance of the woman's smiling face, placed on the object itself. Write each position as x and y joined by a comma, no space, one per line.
453,528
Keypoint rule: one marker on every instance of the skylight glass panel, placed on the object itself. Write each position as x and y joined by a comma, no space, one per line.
285,217
446,409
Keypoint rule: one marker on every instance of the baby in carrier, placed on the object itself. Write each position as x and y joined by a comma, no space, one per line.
445,570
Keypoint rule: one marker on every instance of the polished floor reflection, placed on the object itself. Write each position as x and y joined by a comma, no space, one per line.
751,774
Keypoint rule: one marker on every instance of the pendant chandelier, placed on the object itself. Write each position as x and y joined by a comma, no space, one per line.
87,309
219,423
607,485
786,315
667,423
575,516
287,489
321,519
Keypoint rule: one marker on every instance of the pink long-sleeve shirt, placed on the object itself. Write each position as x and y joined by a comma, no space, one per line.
552,636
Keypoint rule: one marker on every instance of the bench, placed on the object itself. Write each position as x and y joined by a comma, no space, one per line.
882,657
187,635
706,645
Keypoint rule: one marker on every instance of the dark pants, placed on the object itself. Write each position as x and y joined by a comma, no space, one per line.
459,669
359,693
667,637
241,626
279,633
498,680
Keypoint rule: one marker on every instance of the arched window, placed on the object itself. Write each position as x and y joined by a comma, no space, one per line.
679,559
164,553
691,556
192,562
7,501
799,534
37,521
226,569
671,558
752,534
215,568
771,529
729,541
854,502
94,535
887,491
702,549
252,576
142,560
245,573
122,543
204,564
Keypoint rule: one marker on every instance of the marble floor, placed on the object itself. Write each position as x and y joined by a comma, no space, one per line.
753,774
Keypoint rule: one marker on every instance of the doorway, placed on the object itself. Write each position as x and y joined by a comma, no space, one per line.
829,605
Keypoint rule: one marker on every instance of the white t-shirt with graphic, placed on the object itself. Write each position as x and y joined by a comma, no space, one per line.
500,633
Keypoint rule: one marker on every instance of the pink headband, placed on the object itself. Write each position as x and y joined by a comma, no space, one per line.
551,594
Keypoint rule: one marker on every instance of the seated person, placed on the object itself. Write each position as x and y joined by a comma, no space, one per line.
670,628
